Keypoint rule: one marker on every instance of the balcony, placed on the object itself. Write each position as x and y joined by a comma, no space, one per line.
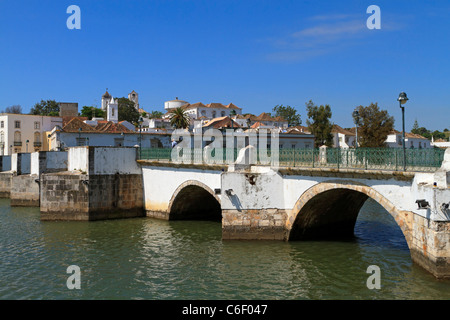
17,143
37,144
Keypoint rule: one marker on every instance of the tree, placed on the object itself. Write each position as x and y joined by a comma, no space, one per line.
415,127
45,108
319,123
438,135
91,112
424,132
17,109
127,110
179,119
155,115
374,125
288,113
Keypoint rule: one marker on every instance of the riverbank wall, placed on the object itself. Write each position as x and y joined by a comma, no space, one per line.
27,169
100,183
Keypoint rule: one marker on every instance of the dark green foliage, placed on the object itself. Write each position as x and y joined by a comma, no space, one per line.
319,123
127,110
45,108
288,113
179,119
374,125
92,112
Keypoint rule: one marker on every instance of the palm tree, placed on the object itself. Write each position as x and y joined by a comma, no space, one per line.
179,119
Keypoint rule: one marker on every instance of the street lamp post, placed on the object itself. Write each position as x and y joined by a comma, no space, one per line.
140,137
356,117
402,98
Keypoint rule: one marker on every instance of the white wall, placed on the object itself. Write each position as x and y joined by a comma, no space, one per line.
157,195
107,160
54,161
115,160
78,159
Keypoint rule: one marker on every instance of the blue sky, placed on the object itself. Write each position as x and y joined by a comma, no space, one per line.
255,54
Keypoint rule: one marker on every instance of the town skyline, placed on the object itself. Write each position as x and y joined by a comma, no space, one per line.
280,54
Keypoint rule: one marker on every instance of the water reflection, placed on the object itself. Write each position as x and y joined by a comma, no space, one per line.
152,259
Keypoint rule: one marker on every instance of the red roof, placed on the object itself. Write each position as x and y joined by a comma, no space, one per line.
102,126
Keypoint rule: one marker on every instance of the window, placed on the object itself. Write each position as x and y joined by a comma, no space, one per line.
37,125
37,140
222,114
2,124
17,136
213,114
293,146
17,124
82,141
118,142
112,112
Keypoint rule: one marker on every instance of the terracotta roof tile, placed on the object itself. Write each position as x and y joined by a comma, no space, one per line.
339,129
75,124
222,122
102,126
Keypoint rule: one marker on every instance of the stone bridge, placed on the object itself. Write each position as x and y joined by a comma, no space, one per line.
251,201
260,202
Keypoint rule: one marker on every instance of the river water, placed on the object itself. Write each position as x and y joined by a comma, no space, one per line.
145,258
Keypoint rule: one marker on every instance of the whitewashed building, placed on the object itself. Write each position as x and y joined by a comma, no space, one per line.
24,132
412,141
104,134
343,138
209,111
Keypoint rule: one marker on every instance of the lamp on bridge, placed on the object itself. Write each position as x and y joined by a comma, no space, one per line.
402,98
356,118
422,204
141,120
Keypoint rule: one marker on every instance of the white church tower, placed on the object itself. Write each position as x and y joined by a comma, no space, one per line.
134,96
106,98
112,111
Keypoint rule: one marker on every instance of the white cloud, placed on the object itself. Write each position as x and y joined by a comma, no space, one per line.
327,34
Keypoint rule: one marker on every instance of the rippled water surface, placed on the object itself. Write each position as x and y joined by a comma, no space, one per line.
152,259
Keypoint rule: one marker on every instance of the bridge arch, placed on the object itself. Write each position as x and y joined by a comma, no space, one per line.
330,209
193,200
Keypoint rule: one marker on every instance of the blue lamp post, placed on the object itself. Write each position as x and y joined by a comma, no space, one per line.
140,136
402,98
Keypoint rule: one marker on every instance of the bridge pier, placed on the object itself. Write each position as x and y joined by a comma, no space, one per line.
269,224
101,183
430,246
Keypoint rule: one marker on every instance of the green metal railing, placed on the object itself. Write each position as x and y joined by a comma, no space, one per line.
361,158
